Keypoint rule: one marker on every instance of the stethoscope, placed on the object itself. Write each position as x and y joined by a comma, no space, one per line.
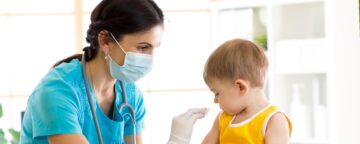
122,106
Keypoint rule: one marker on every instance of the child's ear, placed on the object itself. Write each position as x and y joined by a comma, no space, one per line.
243,86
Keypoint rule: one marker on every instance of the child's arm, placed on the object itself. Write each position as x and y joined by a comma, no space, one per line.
277,130
213,136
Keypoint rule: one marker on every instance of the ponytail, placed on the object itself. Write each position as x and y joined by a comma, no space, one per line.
89,52
68,59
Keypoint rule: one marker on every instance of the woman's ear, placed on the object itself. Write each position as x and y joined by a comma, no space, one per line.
243,86
103,40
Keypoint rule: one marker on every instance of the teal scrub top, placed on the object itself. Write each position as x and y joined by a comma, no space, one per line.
59,105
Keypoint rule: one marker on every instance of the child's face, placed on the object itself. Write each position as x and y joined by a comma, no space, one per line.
227,95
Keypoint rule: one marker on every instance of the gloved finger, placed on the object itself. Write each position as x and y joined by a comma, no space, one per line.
192,111
197,116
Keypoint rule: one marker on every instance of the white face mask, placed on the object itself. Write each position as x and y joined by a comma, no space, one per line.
136,65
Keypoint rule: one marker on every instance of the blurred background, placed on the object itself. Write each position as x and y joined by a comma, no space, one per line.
313,47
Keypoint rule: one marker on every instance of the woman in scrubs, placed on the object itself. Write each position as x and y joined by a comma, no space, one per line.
122,36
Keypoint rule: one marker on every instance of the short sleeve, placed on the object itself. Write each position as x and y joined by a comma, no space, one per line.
55,108
139,108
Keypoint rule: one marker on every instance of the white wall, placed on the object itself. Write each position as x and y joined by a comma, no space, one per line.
346,65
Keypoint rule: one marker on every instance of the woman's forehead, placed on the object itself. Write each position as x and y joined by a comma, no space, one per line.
152,36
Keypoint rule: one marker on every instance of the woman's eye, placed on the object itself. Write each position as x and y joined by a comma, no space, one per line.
143,48
216,94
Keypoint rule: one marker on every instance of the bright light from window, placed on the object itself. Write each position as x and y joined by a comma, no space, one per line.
40,6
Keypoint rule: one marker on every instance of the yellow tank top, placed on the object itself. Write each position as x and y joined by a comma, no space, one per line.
250,131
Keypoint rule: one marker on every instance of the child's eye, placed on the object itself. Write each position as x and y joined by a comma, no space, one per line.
216,94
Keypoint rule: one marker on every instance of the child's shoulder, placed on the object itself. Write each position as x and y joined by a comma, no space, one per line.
278,120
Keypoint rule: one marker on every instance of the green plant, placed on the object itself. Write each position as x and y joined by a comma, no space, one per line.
261,40
15,136
14,133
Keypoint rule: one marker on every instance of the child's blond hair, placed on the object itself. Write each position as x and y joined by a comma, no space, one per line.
237,59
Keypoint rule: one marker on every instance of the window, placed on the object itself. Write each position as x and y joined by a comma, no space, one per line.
34,35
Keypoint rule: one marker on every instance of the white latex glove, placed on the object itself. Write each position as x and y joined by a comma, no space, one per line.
182,125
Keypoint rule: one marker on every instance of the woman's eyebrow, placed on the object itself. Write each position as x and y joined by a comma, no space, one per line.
150,45
145,43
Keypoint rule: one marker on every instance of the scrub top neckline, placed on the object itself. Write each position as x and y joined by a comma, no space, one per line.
116,102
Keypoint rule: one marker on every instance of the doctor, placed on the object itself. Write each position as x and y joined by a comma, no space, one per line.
92,97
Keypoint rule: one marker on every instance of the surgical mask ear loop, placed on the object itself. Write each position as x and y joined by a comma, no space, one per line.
108,55
117,43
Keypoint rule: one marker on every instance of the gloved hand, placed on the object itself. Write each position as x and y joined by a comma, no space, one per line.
182,125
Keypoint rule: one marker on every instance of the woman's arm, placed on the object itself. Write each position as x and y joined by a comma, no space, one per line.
213,136
80,139
277,130
67,139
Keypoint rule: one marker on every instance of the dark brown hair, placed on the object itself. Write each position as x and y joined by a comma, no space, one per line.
119,17
237,59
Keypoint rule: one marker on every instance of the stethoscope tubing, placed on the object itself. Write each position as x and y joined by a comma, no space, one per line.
86,81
